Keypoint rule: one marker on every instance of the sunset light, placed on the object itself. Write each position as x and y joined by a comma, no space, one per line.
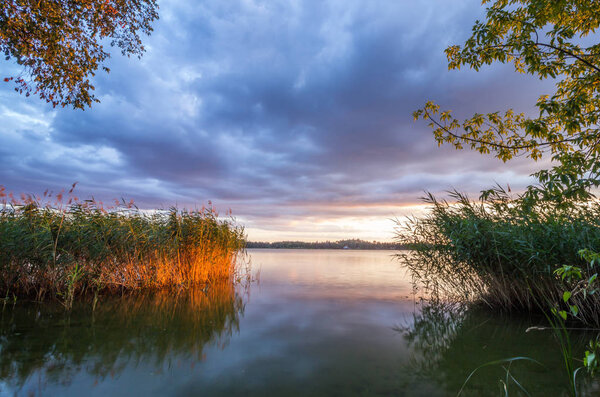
283,128
250,198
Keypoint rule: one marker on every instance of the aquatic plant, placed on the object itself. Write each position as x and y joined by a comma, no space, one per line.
514,254
62,246
502,251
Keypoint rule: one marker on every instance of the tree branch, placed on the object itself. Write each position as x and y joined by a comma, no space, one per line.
493,144
569,53
564,51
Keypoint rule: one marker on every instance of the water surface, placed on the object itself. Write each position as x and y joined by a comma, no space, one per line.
318,323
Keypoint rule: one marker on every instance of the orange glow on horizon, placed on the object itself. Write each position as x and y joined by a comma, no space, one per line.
340,223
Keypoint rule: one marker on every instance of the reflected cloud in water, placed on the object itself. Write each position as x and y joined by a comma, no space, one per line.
319,323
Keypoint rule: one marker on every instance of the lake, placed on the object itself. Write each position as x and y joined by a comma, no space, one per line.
317,323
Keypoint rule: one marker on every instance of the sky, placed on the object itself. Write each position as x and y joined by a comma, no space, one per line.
294,114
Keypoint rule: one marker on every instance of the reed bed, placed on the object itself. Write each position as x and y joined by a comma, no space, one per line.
59,246
502,252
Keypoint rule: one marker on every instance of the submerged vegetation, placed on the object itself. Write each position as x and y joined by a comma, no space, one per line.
63,247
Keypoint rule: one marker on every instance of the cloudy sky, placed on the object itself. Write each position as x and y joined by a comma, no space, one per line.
296,115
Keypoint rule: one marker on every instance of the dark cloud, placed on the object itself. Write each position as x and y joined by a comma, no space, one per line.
275,108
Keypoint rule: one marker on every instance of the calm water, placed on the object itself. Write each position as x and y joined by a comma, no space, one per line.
319,323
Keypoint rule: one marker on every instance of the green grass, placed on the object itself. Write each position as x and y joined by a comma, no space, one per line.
502,252
50,247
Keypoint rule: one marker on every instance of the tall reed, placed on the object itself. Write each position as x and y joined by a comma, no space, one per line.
63,247
501,251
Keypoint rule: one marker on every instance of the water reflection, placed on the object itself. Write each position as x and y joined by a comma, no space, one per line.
152,329
319,323
448,341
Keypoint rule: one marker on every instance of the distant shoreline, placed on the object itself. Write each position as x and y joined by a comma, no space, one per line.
324,249
353,244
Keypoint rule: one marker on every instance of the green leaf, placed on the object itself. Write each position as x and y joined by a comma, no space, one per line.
589,359
566,125
574,310
563,314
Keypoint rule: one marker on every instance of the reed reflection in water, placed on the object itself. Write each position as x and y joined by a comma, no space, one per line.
319,323
42,346
448,341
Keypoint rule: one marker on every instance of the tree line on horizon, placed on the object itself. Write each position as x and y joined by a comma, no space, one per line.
340,244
